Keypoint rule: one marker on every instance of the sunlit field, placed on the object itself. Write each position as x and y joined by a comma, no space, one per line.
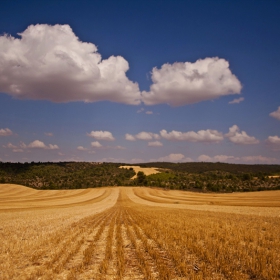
138,233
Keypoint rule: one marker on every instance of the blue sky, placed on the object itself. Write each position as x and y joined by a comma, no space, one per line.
139,81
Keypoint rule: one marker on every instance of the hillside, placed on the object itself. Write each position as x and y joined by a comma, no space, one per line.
213,177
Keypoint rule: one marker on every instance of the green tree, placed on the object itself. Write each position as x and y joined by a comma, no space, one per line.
141,178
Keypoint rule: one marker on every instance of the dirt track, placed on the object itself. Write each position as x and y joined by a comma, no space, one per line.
137,233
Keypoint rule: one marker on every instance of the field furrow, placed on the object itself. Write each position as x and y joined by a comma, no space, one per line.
118,238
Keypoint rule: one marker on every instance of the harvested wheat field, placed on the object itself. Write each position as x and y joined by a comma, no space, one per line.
138,233
147,170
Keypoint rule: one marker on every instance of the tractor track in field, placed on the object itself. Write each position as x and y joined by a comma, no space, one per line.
126,240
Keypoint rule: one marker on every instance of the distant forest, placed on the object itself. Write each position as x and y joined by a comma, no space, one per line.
195,176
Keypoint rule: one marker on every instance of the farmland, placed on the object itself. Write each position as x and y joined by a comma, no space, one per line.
138,233
194,176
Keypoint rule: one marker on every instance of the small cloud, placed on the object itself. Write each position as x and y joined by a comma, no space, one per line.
14,148
237,100
17,150
273,142
217,158
149,112
276,114
137,160
50,134
140,110
102,135
96,144
10,146
37,144
129,137
204,158
119,148
172,158
81,148
225,158
258,159
208,135
241,138
146,135
53,147
155,144
5,132
142,136
245,159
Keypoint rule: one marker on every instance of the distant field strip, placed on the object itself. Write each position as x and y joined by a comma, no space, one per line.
147,170
137,233
23,198
259,199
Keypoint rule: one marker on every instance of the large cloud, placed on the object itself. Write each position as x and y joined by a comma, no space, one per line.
50,63
102,135
276,114
186,83
241,138
200,136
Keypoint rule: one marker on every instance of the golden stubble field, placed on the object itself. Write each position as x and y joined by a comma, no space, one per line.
146,170
138,233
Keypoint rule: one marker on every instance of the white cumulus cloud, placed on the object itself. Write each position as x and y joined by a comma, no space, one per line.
245,159
5,131
208,135
146,135
258,159
275,140
240,137
173,158
276,114
102,135
96,144
204,158
40,145
184,83
81,148
155,144
143,135
49,62
237,100
129,137
10,146
217,158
